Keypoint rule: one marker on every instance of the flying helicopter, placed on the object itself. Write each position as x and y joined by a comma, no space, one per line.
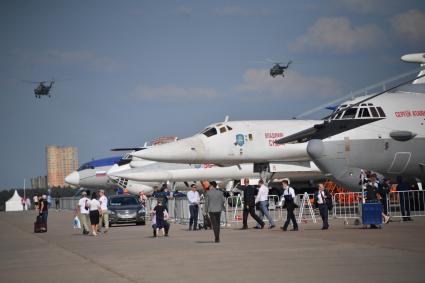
279,68
43,88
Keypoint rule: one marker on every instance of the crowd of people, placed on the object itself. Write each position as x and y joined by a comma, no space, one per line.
93,212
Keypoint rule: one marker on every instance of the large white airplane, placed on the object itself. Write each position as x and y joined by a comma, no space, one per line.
386,136
142,175
172,172
392,145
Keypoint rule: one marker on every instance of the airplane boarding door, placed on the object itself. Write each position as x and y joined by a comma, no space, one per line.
400,162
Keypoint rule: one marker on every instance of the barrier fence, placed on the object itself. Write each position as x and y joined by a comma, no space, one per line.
398,205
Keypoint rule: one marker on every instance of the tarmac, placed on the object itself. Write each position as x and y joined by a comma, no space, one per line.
345,253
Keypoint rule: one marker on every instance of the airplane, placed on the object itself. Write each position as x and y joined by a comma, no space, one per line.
234,142
148,174
392,145
173,172
381,128
94,174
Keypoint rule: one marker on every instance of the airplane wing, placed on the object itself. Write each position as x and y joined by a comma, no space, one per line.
128,148
325,130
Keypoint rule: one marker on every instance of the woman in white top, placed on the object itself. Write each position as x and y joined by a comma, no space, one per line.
95,211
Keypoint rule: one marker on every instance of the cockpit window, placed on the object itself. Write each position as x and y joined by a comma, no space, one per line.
223,130
364,112
210,132
85,166
229,128
374,112
350,113
380,111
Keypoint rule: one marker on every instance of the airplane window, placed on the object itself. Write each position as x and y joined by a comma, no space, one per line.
229,128
363,104
364,112
374,112
338,116
350,113
370,104
381,112
210,132
222,130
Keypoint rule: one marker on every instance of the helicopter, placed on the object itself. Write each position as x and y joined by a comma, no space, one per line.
43,88
279,69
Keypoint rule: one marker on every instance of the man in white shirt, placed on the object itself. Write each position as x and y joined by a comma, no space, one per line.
262,200
82,210
289,196
104,217
194,199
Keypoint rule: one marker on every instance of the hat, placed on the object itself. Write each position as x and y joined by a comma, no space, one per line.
284,179
84,193
102,191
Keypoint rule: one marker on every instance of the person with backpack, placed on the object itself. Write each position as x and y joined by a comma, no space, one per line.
82,210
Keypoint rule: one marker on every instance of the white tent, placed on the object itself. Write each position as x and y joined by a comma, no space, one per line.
14,203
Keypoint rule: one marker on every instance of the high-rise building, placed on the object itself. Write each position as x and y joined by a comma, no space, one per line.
61,161
39,182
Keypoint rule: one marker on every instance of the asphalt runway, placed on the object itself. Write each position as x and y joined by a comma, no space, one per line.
395,253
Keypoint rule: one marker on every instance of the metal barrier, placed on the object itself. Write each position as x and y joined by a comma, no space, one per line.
68,203
405,204
347,205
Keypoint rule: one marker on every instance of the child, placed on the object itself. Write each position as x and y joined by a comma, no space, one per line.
159,217
166,224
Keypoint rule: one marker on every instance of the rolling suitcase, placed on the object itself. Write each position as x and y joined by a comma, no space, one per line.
39,225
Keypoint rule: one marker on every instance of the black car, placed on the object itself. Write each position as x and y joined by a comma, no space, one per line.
126,209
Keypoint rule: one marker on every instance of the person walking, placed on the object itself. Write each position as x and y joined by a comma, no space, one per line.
104,215
262,200
82,210
193,199
214,204
94,208
44,211
249,193
322,197
289,196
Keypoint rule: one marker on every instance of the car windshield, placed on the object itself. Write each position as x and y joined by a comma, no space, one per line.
121,201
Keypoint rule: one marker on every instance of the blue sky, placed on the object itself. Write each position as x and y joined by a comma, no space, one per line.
130,71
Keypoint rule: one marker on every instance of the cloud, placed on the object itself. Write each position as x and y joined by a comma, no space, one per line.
294,86
410,25
87,58
184,10
172,92
337,35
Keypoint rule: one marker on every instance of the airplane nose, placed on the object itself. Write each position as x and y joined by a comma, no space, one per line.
185,150
73,178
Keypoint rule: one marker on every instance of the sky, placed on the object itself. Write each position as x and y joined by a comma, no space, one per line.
129,71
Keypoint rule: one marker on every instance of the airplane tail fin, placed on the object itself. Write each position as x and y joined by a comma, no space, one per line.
418,58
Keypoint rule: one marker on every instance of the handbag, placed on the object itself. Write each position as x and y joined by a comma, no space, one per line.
76,223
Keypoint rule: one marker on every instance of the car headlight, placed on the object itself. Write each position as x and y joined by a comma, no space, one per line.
142,210
111,212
